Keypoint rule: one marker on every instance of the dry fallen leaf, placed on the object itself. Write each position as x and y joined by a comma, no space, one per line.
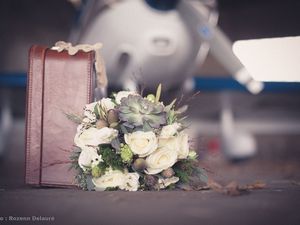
295,182
256,185
234,189
215,186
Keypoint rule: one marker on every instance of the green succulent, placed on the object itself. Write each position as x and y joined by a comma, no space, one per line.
136,111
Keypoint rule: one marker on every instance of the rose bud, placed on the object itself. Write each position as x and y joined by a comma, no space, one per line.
151,98
139,164
112,116
167,173
101,123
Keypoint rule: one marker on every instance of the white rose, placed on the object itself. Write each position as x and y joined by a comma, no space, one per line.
107,104
131,182
163,183
160,160
123,94
94,137
177,143
80,128
170,130
111,178
77,140
89,157
88,111
141,143
183,145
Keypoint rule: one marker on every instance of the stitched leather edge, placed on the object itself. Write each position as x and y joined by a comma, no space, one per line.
28,163
42,116
28,118
89,80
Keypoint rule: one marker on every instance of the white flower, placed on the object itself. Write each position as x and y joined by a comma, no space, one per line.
141,143
163,183
89,157
183,144
170,130
116,178
131,182
80,128
160,160
94,137
107,104
193,155
88,112
111,178
86,120
123,94
177,143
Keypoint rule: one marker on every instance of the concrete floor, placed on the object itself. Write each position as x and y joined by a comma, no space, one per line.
279,203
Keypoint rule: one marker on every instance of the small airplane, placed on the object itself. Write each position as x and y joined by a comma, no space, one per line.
158,41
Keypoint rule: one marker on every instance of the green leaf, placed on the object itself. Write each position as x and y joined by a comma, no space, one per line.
158,93
97,111
169,107
103,166
116,144
89,183
102,113
147,127
171,117
74,118
111,158
182,109
182,118
201,173
113,98
123,129
183,175
81,179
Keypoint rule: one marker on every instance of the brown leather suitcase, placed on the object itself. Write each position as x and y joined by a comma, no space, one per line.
58,83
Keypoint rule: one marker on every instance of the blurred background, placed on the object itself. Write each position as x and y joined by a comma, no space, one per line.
241,134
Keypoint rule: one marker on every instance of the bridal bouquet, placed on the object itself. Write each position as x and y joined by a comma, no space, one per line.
130,142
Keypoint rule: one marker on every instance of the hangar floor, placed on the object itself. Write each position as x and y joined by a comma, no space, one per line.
278,203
